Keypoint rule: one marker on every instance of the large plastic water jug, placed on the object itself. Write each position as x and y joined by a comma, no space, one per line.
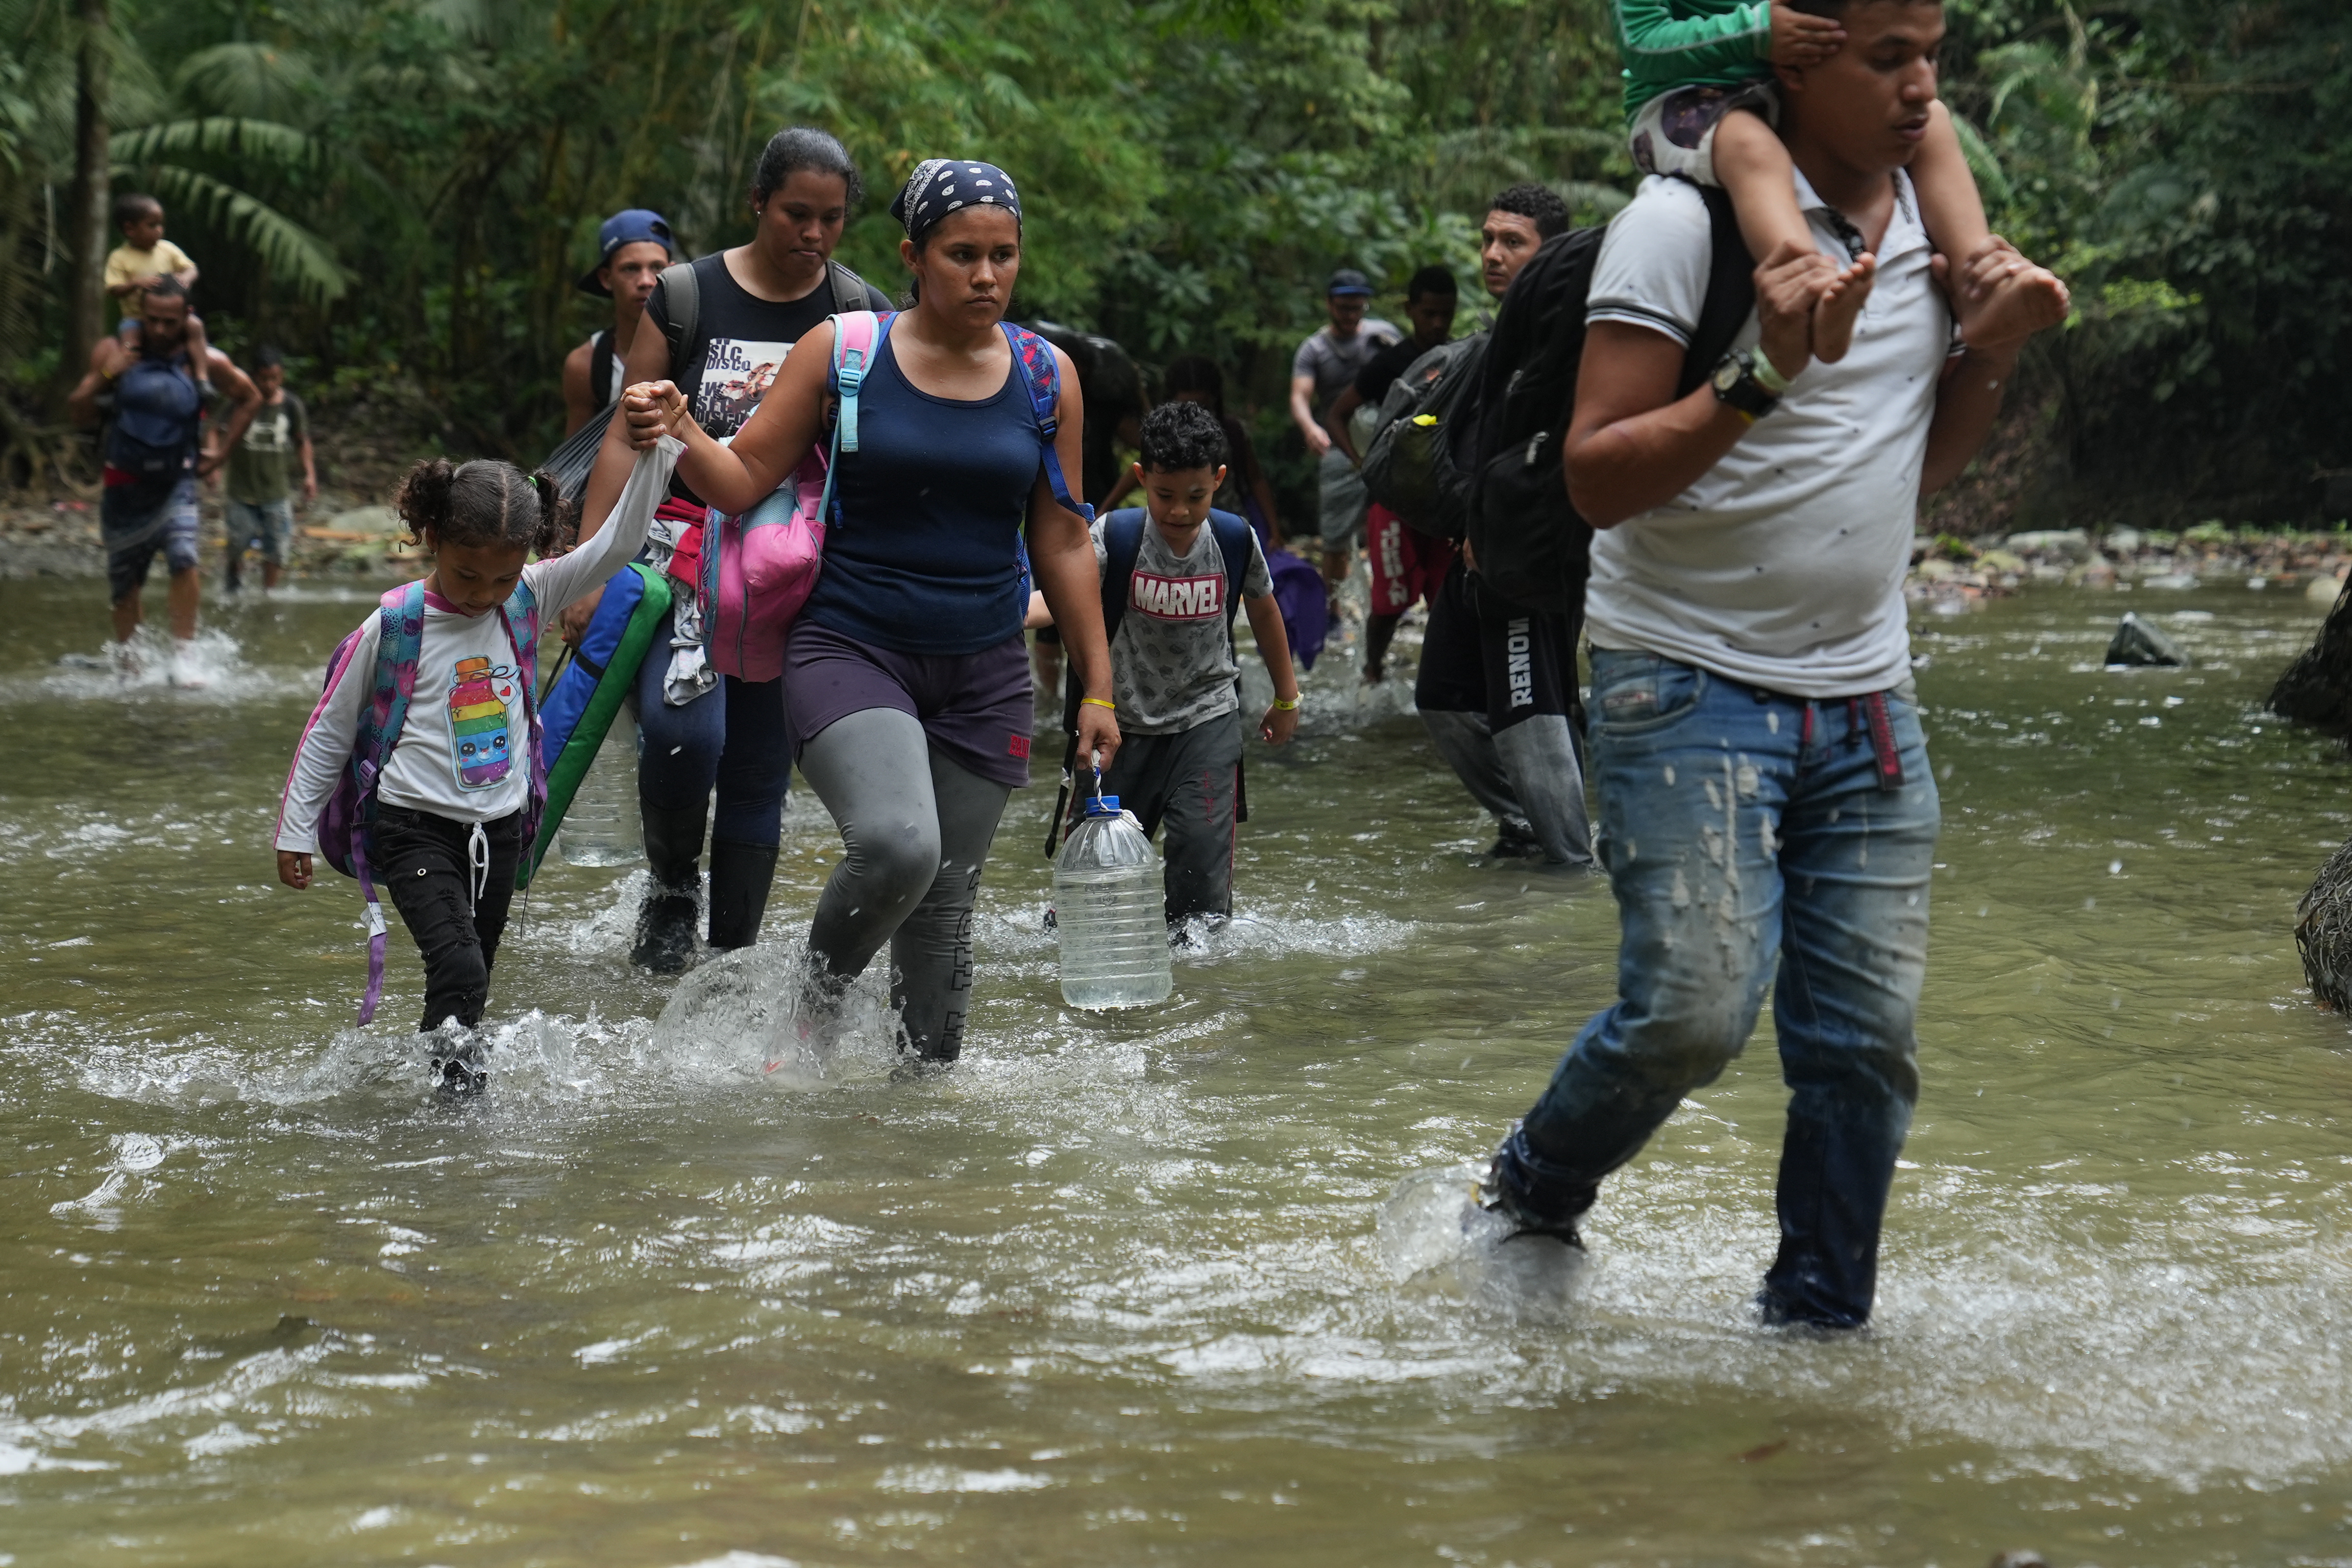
1108,907
603,827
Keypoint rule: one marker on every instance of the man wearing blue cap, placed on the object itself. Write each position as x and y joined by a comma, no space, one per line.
632,248
1327,364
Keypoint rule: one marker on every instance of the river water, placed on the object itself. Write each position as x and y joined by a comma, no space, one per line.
1183,1286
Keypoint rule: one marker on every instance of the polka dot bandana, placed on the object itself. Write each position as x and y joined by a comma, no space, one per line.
941,186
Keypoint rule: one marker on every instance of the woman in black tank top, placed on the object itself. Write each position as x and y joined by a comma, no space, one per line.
753,302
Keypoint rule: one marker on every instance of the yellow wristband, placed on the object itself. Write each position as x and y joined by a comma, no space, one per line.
1290,707
1100,702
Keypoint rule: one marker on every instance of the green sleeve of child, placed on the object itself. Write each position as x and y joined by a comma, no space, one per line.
1725,45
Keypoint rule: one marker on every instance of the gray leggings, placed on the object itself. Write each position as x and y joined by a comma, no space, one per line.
915,830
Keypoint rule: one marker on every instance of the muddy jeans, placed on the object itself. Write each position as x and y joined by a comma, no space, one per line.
1744,832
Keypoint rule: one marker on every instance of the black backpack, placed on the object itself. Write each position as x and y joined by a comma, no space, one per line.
1411,465
681,296
1531,548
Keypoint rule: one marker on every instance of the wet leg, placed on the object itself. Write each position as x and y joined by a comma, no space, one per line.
1857,861
930,952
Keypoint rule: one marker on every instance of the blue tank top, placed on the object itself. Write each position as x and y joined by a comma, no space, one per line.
924,555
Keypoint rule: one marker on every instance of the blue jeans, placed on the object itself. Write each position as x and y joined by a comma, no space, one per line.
731,736
1745,832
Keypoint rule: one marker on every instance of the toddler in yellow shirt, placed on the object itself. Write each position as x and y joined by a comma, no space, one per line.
144,257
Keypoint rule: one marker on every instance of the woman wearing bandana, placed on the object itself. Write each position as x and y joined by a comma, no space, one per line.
905,682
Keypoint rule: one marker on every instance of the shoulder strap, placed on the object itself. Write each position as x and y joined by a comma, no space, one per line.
402,612
856,338
849,290
681,290
1122,544
1041,373
520,616
600,366
1730,292
857,342
1232,536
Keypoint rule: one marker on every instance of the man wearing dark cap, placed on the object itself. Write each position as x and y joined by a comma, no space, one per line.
632,248
1326,366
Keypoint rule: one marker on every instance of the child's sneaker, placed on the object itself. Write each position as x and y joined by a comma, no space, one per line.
461,1075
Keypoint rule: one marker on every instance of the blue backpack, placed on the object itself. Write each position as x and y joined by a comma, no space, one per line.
1122,545
156,411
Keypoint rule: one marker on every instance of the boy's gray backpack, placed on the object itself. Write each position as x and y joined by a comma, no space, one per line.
681,298
1411,466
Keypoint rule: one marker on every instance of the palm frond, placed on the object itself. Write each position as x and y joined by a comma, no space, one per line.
243,79
218,135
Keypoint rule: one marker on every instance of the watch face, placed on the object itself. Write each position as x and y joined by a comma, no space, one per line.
1727,373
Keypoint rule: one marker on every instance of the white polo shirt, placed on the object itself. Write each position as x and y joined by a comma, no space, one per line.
1782,567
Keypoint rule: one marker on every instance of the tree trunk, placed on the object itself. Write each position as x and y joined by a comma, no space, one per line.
86,222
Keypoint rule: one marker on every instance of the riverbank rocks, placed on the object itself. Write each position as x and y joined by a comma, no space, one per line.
2323,933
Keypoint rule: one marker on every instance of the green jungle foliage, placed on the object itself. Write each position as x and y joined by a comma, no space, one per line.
401,191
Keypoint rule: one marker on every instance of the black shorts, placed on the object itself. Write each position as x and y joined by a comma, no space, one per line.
1484,655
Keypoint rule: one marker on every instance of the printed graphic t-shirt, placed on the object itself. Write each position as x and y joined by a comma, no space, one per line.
1172,662
463,752
739,345
261,465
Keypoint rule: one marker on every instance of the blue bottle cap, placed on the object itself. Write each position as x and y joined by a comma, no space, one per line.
1103,806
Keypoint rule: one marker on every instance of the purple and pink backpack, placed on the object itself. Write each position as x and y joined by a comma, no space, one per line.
759,569
346,831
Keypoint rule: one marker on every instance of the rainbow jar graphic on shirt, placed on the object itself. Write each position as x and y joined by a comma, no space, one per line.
478,694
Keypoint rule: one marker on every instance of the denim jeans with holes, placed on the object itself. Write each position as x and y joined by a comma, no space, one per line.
1747,840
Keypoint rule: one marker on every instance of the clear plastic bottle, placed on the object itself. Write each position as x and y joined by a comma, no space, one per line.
1110,912
603,827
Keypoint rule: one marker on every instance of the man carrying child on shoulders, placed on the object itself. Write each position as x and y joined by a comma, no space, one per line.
1768,812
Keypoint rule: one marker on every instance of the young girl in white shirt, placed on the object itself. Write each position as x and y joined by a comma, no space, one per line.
452,794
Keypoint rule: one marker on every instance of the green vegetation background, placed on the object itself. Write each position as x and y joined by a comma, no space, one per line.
401,191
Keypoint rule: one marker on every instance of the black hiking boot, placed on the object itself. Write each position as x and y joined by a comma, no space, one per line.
739,877
664,940
1498,1194
1517,841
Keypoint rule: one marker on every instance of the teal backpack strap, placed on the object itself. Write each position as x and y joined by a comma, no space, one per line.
851,360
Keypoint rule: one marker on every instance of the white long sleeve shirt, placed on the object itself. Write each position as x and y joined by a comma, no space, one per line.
461,753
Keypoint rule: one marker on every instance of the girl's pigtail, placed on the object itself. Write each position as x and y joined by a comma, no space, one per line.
424,500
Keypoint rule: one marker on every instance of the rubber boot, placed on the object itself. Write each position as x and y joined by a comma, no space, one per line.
665,942
740,875
1540,758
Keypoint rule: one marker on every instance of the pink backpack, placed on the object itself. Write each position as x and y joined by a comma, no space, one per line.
757,569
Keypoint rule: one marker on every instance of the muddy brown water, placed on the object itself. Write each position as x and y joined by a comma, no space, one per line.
1188,1286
